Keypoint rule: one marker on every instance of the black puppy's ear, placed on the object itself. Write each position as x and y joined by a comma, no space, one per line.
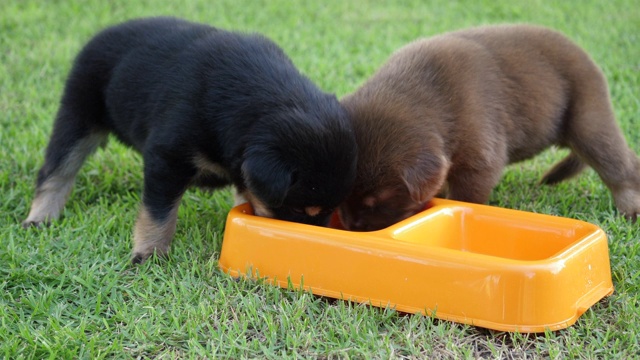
425,176
267,178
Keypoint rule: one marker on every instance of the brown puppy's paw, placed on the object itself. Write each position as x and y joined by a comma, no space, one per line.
628,203
633,217
34,224
138,258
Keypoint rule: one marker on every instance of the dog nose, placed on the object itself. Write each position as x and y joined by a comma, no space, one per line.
360,225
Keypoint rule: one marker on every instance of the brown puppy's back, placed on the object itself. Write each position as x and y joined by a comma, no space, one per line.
460,106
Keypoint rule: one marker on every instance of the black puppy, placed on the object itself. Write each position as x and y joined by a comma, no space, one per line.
205,107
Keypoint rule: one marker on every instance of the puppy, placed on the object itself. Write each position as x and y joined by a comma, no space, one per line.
204,107
450,112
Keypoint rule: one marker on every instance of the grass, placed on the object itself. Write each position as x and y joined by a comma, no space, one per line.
67,291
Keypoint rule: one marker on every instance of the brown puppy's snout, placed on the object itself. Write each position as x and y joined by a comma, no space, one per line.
348,222
359,219
361,225
378,210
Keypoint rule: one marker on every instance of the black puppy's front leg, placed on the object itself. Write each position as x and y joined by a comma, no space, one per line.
165,181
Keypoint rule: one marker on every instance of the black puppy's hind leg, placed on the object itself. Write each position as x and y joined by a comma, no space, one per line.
72,141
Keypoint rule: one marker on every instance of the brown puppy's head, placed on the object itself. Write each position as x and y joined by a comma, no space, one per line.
299,164
400,194
401,164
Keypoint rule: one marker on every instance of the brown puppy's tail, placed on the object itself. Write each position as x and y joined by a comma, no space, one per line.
568,167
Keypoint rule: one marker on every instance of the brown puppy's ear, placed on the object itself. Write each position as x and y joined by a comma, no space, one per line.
267,178
426,176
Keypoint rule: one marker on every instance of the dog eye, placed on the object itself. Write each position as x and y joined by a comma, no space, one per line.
298,210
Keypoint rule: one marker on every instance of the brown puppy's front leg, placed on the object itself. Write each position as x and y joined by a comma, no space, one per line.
471,186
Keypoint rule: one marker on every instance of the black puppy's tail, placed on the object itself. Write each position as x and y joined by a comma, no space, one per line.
568,167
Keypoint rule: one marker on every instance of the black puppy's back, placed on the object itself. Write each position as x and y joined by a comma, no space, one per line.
138,69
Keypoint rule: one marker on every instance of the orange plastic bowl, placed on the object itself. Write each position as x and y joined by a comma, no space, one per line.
496,268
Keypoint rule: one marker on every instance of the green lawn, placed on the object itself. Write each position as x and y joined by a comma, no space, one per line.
68,291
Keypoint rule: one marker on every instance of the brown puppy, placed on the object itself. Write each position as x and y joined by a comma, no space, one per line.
450,112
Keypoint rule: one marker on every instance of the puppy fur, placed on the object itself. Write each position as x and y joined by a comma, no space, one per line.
204,107
447,114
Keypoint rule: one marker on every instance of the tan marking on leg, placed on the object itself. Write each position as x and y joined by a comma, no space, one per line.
53,193
150,236
259,208
49,201
312,210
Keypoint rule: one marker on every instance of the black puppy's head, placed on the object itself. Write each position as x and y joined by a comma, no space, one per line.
300,164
